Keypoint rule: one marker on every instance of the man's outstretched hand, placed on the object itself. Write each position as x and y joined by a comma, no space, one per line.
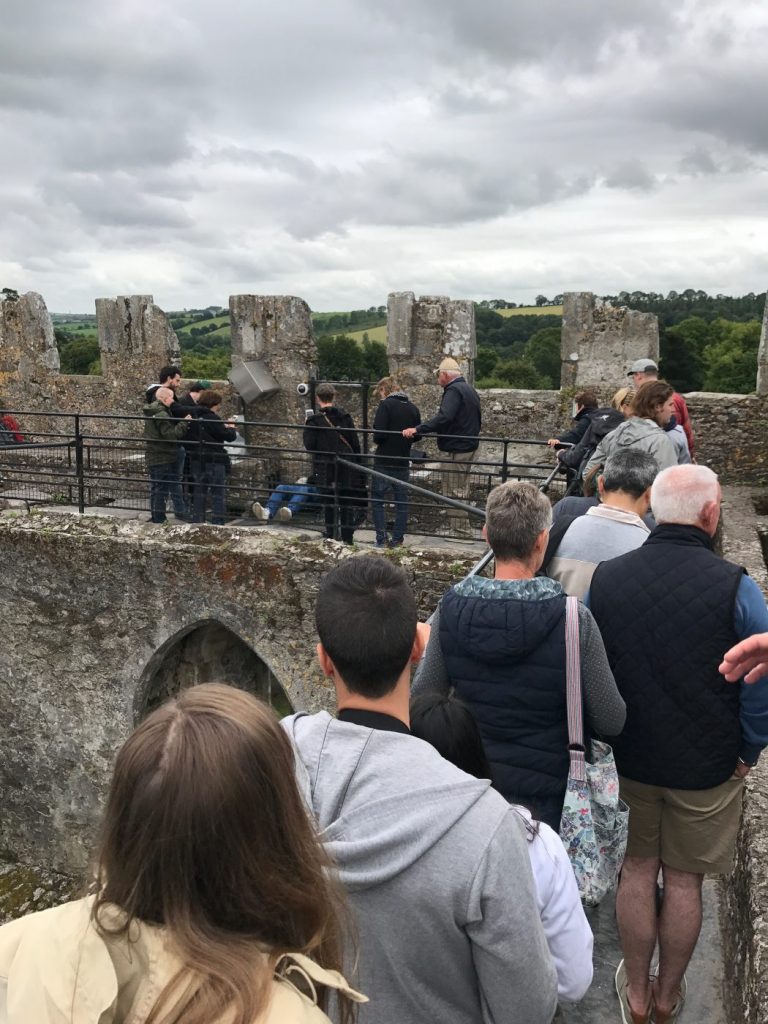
750,657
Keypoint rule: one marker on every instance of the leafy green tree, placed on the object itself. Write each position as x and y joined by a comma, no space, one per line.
339,358
517,373
731,357
375,364
485,361
79,355
543,352
213,365
681,353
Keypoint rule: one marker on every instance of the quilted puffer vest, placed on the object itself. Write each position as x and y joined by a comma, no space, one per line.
506,660
666,615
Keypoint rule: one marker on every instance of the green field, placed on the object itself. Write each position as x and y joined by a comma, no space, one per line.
374,334
531,311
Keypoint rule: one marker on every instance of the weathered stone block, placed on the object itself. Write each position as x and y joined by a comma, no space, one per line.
135,338
420,333
600,341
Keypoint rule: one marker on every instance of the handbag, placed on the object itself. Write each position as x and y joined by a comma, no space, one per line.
595,820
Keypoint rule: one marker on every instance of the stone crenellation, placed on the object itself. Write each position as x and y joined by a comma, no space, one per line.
599,341
421,332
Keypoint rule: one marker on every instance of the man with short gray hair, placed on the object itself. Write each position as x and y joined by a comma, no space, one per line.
667,612
457,424
578,544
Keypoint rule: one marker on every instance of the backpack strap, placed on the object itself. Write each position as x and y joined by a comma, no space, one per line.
556,533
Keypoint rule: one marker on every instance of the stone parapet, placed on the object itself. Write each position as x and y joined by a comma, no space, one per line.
599,341
90,606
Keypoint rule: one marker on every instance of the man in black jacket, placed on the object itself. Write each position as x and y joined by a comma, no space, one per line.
330,434
457,425
394,415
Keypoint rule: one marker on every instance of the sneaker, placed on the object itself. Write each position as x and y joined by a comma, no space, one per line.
283,515
396,543
628,1015
259,512
382,545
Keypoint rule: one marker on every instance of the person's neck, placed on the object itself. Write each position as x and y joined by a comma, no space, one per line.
623,502
513,571
394,703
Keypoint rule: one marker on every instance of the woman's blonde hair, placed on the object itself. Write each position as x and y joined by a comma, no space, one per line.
622,398
205,833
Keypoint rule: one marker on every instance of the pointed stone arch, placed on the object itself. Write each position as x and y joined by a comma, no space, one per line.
206,651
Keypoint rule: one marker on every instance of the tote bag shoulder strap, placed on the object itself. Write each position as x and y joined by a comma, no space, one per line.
576,750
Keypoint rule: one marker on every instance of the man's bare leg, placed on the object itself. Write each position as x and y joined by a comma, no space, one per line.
679,927
636,918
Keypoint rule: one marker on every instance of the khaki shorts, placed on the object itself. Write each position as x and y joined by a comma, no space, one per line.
689,829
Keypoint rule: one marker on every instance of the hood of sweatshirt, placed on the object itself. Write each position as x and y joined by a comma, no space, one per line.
154,408
500,622
359,783
635,430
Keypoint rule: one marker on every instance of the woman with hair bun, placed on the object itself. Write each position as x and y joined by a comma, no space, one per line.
213,901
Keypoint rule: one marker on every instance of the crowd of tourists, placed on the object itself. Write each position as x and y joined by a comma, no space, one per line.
419,855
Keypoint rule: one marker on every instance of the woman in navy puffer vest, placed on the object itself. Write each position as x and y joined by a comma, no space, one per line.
500,644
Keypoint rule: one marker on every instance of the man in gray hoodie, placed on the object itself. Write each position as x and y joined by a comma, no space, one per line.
435,862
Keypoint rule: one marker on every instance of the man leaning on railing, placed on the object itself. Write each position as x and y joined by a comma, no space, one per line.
457,423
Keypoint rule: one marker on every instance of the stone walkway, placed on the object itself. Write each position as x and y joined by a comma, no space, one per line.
705,973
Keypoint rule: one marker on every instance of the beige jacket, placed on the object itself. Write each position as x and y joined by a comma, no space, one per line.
55,968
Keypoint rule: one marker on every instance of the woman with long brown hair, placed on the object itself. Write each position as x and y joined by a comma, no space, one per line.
643,431
213,901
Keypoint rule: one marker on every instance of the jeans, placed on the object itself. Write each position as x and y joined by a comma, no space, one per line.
346,513
162,479
177,494
209,477
379,489
295,494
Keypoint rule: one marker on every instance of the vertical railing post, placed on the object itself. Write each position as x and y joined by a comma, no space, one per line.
79,468
364,387
336,504
505,462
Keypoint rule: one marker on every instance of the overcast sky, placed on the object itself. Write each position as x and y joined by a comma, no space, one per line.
341,150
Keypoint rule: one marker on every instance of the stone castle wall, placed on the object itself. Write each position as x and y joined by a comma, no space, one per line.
89,605
136,339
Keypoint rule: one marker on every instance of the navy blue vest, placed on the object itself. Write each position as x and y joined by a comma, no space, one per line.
665,612
506,660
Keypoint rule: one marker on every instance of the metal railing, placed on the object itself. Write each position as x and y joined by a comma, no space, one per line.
91,460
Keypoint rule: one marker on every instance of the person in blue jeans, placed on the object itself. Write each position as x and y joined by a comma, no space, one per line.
211,462
285,501
163,435
395,413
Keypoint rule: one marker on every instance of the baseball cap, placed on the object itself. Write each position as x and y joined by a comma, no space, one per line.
449,365
642,366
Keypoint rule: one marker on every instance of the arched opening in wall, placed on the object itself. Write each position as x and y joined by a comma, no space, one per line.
207,652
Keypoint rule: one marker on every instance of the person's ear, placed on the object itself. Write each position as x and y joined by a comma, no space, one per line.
710,516
327,666
420,641
647,497
601,486
484,532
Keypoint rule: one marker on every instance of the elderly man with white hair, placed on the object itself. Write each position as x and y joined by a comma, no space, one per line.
667,611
